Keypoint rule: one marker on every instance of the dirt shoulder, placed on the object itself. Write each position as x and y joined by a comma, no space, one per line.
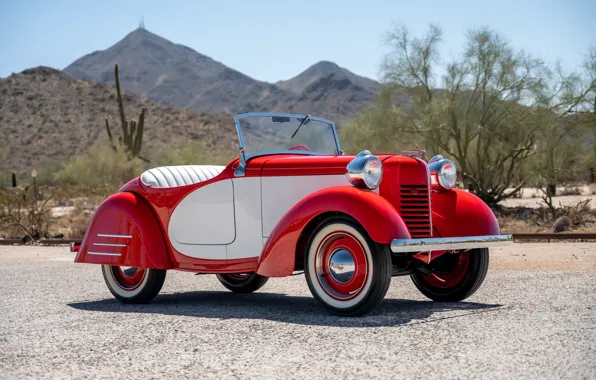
558,201
545,256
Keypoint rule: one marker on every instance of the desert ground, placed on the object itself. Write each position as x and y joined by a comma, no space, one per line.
530,197
562,200
534,317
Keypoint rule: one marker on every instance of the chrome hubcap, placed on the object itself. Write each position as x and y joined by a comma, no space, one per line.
342,266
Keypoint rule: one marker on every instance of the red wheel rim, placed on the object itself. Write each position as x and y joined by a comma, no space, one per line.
342,265
454,276
129,278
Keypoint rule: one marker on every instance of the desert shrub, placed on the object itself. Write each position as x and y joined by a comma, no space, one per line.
74,222
46,172
66,196
579,214
5,179
580,218
192,153
24,213
100,167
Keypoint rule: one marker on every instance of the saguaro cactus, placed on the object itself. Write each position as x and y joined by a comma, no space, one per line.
132,131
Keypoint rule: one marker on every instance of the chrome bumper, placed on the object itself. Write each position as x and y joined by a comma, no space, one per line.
450,243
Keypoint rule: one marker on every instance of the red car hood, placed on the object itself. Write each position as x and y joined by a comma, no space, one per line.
288,165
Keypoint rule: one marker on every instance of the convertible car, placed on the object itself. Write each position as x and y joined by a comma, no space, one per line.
294,202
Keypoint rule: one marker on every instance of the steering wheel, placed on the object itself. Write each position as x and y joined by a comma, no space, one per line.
299,147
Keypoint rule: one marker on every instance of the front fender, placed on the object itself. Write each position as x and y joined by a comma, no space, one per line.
378,217
460,213
124,232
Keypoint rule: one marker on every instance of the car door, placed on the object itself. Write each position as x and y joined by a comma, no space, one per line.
203,223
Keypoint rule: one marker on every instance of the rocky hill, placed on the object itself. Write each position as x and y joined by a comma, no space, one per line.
322,70
47,116
174,74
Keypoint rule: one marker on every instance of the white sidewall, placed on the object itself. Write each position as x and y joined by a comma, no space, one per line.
113,284
311,265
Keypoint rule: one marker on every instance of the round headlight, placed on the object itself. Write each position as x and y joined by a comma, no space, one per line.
365,171
444,170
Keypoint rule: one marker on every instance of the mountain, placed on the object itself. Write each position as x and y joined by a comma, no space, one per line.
47,116
174,74
327,89
325,69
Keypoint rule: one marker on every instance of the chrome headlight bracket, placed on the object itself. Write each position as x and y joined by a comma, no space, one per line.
365,171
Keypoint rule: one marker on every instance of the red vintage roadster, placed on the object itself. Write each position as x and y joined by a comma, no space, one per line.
293,201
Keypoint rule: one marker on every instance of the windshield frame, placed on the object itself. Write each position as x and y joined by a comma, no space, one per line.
245,156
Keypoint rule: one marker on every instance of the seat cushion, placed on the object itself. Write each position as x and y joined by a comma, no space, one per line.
173,176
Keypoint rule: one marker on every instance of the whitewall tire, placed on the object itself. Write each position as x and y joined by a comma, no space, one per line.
133,285
345,269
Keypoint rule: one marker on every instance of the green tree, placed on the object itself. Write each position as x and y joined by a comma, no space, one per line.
484,111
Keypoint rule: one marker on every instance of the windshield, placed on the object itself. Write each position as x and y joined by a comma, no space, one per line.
279,133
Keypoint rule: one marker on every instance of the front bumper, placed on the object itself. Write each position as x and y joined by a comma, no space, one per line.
449,243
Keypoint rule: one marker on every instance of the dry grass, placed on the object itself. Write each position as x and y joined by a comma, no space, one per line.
533,220
75,222
513,225
25,212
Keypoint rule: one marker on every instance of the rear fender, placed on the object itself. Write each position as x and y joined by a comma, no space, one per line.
378,217
460,213
124,232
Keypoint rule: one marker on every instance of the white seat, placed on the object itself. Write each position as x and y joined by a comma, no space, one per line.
183,175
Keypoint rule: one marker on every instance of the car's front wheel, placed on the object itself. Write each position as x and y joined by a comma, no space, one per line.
345,269
457,278
133,285
242,282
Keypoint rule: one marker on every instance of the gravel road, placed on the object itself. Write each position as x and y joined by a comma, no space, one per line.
534,317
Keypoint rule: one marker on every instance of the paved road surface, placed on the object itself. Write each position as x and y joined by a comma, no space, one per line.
57,319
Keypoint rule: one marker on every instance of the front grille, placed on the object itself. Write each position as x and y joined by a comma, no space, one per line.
415,209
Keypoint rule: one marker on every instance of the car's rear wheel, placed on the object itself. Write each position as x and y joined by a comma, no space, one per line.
133,285
242,282
459,276
345,269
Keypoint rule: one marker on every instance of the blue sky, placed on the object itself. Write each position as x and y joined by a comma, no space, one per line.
274,40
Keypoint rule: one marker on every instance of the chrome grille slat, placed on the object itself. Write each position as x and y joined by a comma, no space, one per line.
415,209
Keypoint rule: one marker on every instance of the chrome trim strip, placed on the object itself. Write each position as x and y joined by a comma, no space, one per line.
115,236
110,244
104,253
449,244
413,152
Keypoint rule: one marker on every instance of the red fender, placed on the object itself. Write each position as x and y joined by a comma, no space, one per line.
460,213
378,217
124,232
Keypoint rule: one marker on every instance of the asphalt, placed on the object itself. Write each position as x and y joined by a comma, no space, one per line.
58,320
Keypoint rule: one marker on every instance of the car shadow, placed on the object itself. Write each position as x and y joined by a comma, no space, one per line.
288,309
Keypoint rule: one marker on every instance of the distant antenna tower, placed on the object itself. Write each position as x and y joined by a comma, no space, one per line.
142,23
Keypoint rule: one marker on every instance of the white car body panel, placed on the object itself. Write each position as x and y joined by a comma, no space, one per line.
281,193
232,219
205,217
247,209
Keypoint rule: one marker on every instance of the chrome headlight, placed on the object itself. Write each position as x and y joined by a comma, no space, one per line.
365,171
443,172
